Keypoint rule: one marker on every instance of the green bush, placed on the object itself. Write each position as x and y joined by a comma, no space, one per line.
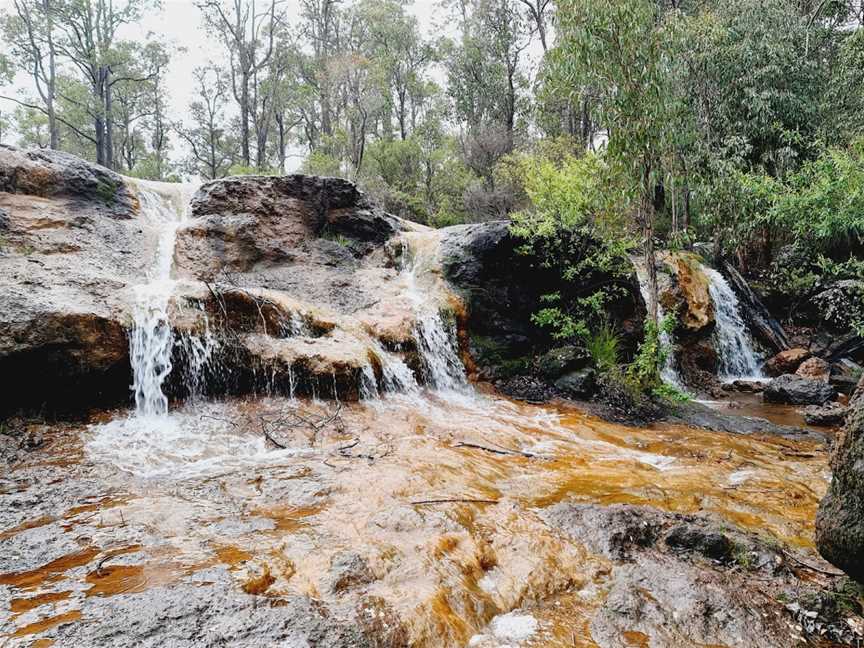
575,228
603,345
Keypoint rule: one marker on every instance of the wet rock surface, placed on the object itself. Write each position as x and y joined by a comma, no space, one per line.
358,532
72,243
786,362
798,390
831,415
840,520
662,589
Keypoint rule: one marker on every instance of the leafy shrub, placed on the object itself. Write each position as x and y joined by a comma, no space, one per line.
575,228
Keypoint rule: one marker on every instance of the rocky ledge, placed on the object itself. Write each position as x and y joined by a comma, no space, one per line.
840,520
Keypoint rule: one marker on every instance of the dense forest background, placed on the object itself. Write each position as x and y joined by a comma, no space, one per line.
643,122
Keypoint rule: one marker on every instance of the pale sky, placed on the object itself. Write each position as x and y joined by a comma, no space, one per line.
180,22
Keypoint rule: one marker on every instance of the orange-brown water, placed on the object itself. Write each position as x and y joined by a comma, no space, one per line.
439,497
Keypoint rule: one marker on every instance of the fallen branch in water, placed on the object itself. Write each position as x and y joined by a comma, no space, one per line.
818,570
502,451
455,501
294,421
269,437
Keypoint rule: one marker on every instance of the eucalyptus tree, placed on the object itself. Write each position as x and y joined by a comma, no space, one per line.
88,41
620,47
31,32
212,149
249,33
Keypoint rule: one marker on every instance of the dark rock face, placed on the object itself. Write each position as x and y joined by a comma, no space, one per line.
711,544
840,519
797,390
502,289
561,360
54,174
756,314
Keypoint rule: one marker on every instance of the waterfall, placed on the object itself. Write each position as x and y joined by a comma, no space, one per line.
435,338
669,372
738,358
152,339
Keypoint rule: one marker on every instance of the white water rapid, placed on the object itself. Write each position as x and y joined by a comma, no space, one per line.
163,206
738,358
436,339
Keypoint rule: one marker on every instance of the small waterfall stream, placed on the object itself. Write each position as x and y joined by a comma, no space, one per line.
436,339
737,355
152,339
669,372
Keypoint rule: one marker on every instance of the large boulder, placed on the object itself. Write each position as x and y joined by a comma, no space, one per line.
72,241
830,415
797,390
54,174
243,223
840,518
690,296
502,288
786,362
815,369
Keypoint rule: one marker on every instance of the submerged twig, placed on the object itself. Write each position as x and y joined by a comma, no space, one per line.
455,501
502,451
814,568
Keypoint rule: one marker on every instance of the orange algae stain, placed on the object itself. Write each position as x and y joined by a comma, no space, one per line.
130,579
231,556
42,643
258,585
636,639
21,605
25,526
289,519
46,624
103,503
49,572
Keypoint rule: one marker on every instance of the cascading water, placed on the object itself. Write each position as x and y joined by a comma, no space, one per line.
732,341
152,338
436,340
669,372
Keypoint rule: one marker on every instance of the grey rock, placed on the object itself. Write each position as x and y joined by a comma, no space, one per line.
561,360
349,569
840,518
54,174
191,616
797,390
577,384
830,415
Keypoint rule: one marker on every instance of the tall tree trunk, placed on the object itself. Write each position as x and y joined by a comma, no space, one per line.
109,121
650,258
52,75
244,118
99,118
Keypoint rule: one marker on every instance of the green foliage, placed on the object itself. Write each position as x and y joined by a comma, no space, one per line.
603,345
573,229
830,192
